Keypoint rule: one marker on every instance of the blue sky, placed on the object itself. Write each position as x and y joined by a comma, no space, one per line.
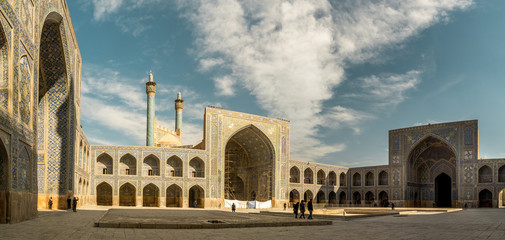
343,72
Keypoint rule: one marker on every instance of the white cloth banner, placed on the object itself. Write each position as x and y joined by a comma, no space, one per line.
248,204
238,204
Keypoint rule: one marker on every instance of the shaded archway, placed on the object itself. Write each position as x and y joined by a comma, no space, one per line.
321,177
356,197
308,195
56,125
197,168
342,179
443,190
485,199
4,200
356,179
174,166
369,199
249,162
332,178
104,194
174,196
104,164
294,175
308,176
128,165
369,179
196,195
383,178
150,196
427,160
384,199
127,194
332,198
320,197
485,174
501,199
342,198
151,166
501,174
294,196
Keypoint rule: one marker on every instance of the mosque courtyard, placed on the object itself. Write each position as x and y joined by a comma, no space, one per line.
464,224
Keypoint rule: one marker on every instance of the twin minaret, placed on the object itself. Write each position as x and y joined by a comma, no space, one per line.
179,105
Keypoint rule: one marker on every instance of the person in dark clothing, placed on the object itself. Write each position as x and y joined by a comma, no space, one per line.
302,209
310,207
392,206
233,207
295,209
74,205
69,202
284,206
51,203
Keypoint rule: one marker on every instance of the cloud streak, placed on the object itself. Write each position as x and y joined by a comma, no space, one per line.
291,55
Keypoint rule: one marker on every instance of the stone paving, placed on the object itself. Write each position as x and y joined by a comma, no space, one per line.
466,224
190,219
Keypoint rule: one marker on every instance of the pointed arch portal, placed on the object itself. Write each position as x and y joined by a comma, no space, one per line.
249,159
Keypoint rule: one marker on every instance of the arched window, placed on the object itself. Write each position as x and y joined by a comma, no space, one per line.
128,165
104,164
342,179
332,179
356,179
485,174
151,166
308,176
369,199
501,174
369,181
197,168
383,178
294,196
356,197
174,167
321,177
294,175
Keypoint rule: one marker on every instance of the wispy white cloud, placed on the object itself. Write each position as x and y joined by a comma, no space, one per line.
104,7
209,63
291,54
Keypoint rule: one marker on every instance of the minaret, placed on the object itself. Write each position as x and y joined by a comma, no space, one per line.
179,105
151,91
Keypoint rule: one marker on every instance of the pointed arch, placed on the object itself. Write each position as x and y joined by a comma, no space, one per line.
151,165
485,198
104,164
196,197
294,196
383,178
174,196
501,174
356,179
321,177
321,197
6,101
308,176
294,175
197,168
104,194
150,195
308,195
128,165
174,166
332,198
127,195
342,179
4,168
332,178
356,197
369,179
342,198
485,174
369,197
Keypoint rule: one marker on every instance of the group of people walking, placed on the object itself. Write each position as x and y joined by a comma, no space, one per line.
301,206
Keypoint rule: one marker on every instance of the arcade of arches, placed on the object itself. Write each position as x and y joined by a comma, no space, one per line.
249,157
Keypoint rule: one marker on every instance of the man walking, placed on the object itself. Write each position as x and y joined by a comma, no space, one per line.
302,209
74,206
310,207
233,207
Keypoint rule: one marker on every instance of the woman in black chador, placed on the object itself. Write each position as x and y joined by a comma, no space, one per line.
295,209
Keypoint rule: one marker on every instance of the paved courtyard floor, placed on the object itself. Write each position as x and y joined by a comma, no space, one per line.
466,224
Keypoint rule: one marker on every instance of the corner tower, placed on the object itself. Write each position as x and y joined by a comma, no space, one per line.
151,91
179,105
